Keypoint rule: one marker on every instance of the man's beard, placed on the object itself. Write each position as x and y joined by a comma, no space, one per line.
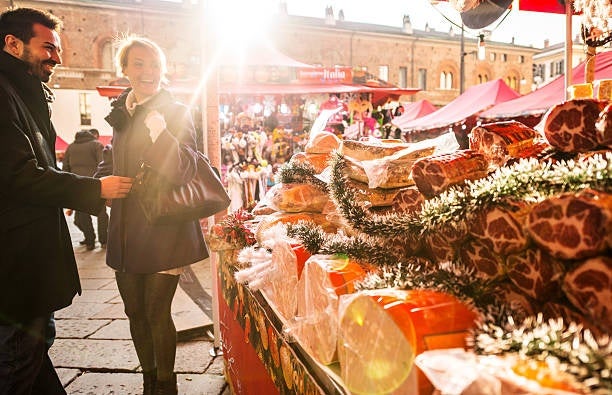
36,65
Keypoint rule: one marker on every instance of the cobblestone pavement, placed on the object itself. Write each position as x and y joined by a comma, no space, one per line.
93,353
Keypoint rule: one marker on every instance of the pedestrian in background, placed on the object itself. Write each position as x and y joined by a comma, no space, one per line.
82,157
38,272
150,125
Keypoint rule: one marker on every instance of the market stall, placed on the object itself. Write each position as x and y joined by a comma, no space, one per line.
385,267
530,107
460,114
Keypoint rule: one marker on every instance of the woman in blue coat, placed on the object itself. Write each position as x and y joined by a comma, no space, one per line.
150,126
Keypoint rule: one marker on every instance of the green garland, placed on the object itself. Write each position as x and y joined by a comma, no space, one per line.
452,278
361,247
302,173
570,347
527,180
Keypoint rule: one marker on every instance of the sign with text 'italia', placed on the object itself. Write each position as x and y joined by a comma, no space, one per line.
325,75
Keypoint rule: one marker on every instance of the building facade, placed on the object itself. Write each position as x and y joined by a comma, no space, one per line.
425,59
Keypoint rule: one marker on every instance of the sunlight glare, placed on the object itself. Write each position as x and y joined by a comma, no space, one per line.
239,23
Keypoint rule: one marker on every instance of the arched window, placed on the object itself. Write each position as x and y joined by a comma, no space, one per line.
446,80
513,82
482,78
107,56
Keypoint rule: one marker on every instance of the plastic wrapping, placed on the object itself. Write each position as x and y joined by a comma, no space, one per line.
295,198
393,171
381,331
324,278
456,371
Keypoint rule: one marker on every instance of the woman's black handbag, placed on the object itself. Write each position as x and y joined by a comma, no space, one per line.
165,203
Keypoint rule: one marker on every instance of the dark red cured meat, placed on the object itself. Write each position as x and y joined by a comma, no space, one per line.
434,174
408,200
588,286
570,126
572,226
501,141
536,274
501,229
604,126
486,263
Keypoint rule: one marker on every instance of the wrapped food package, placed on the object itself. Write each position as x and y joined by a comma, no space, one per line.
371,149
322,142
271,220
387,172
296,198
374,197
317,161
381,331
324,279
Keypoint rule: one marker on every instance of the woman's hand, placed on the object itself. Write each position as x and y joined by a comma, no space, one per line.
156,123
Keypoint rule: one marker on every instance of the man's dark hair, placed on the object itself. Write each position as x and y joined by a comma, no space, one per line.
19,22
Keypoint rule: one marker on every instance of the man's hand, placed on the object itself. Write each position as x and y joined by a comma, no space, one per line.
115,187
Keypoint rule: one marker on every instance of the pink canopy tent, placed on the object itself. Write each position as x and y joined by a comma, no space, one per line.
60,144
413,111
460,114
529,108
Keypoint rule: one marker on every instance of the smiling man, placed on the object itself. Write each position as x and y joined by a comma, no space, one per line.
38,273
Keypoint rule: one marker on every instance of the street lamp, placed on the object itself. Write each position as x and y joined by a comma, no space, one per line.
480,52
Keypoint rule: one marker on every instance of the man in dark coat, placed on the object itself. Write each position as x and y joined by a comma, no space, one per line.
38,273
82,157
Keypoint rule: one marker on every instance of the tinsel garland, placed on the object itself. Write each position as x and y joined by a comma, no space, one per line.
527,180
569,348
452,278
360,248
302,173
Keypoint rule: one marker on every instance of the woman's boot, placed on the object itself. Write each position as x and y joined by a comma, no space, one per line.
167,387
148,382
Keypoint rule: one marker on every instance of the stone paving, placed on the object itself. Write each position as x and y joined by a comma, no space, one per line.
93,352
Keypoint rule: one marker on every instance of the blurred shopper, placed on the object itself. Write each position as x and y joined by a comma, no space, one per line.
38,272
82,157
150,125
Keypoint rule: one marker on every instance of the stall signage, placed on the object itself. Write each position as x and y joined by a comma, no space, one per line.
325,75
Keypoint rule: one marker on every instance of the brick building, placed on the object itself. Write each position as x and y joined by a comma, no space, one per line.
425,59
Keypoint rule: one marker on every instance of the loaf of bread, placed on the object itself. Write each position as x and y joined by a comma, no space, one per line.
296,198
391,171
317,161
322,142
372,149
